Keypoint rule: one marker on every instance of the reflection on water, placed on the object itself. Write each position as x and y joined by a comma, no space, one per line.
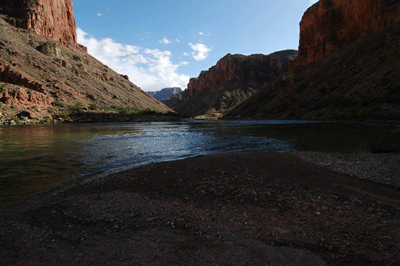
36,158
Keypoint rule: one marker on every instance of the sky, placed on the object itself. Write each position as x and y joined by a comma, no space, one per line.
161,44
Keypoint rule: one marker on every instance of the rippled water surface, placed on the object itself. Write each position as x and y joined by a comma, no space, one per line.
36,158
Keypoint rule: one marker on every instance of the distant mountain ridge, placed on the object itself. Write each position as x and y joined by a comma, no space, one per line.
165,93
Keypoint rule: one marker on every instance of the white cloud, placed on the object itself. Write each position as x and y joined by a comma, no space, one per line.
150,69
186,54
204,34
165,41
99,14
200,51
177,40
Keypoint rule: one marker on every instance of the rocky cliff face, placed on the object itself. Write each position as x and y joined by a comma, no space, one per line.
53,19
353,46
330,25
237,75
42,78
359,82
174,100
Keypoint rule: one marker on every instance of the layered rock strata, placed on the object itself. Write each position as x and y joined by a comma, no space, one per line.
43,77
53,19
358,82
239,76
174,100
330,25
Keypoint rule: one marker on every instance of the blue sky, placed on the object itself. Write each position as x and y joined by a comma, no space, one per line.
160,43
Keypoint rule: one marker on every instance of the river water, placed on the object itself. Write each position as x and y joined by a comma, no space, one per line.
36,158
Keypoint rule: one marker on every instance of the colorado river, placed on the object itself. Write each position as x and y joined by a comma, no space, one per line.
36,158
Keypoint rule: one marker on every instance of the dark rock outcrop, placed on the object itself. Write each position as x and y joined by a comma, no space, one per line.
53,19
231,80
174,100
330,25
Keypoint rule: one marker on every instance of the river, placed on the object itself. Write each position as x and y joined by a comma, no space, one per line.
36,158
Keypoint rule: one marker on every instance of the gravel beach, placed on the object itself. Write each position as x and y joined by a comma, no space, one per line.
243,208
383,168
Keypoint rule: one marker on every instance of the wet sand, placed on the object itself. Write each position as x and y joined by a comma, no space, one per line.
244,208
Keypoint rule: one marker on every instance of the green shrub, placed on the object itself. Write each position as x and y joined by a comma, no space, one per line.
63,115
16,119
58,103
75,107
148,111
93,106
46,119
127,110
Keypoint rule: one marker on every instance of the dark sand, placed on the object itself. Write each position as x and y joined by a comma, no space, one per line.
246,208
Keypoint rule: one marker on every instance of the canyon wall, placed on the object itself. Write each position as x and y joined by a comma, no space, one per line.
53,19
231,80
348,67
46,81
239,70
174,100
330,25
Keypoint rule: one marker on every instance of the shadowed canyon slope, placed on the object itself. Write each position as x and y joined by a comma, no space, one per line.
348,67
36,72
174,101
233,79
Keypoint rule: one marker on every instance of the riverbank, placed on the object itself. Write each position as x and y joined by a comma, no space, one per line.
60,113
244,208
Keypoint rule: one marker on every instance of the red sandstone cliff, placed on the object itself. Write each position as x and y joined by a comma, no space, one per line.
42,80
239,74
359,81
239,70
49,18
330,25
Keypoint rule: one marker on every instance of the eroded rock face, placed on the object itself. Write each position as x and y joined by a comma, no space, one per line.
358,82
53,19
25,97
237,71
330,25
174,100
44,77
51,49
237,75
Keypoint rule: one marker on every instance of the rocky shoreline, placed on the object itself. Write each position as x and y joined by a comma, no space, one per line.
86,116
244,208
